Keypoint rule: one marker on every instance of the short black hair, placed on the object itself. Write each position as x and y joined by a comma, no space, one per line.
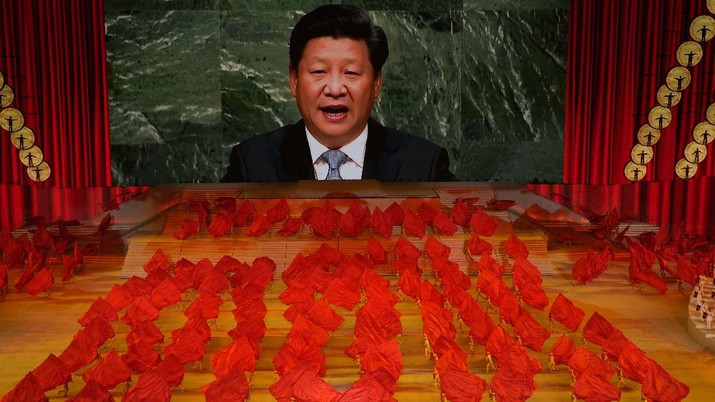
339,21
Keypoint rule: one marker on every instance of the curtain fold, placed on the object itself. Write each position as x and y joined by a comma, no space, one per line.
619,53
53,55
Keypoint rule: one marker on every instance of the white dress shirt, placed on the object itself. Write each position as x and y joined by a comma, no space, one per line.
355,150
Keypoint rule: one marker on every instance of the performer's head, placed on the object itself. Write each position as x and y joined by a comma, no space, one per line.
335,71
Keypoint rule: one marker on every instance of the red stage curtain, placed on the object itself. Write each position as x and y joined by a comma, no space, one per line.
52,54
619,53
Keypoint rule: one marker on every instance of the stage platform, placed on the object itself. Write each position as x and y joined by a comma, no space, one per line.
659,324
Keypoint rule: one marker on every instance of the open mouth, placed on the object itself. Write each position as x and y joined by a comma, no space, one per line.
334,111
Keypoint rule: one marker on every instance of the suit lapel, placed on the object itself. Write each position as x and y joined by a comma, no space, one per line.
378,163
296,163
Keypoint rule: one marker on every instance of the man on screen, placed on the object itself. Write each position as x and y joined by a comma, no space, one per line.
335,75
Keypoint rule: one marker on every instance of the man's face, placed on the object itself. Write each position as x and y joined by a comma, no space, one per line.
335,87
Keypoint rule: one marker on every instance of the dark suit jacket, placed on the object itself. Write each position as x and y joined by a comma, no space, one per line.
283,155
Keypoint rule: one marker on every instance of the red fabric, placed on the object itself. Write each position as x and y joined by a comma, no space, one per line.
597,329
477,246
228,388
499,205
533,295
487,263
228,264
483,224
108,372
58,71
278,212
80,352
405,249
651,278
461,213
260,225
206,306
214,282
582,360
294,355
103,225
42,282
615,344
591,386
414,225
476,318
509,387
605,105
435,250
171,370
137,286
532,334
51,373
562,350
158,261
303,385
100,308
220,225
515,248
165,294
385,356
150,387
140,357
564,311
142,309
69,265
226,205
290,226
376,252
660,386
202,209
239,354
28,389
244,214
634,363
92,392
100,331
145,331
396,214
322,314
381,223
460,385
443,224
687,271
189,347
188,228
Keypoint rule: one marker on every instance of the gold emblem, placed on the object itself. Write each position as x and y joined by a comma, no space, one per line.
11,119
634,172
702,29
704,133
711,6
648,135
711,113
32,156
2,80
668,98
695,153
678,78
641,154
40,172
659,117
23,138
689,53
7,96
685,169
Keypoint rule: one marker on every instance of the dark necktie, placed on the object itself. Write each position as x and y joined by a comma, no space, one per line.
335,158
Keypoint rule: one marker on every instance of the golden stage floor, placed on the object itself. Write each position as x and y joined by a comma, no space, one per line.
33,327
